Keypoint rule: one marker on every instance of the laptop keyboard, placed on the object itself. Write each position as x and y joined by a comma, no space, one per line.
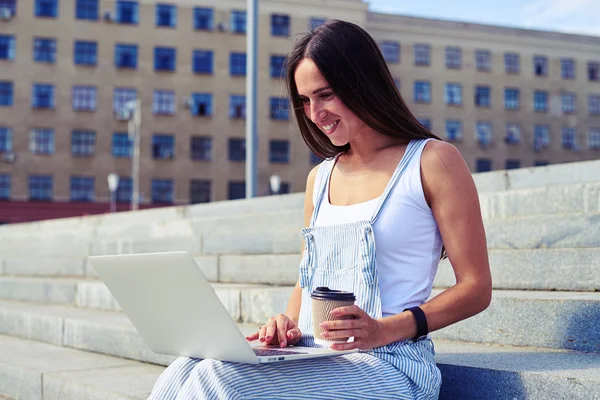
275,352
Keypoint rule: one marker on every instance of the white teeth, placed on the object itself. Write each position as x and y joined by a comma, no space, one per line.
330,126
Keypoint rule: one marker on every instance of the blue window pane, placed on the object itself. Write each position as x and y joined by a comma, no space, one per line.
41,141
166,15
237,149
238,21
7,47
314,23
46,8
126,56
280,108
124,190
44,50
426,122
237,190
422,92
5,186
280,25
391,52
237,107
40,187
83,143
202,61
127,12
279,151
121,145
511,98
6,139
277,66
10,5
203,18
6,93
162,191
164,58
85,53
86,9
82,188
482,96
42,96
483,165
163,147
540,101
201,104
237,64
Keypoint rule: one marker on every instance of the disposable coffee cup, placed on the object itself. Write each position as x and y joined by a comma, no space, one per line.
323,301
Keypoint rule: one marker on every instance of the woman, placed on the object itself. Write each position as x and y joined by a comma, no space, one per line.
386,179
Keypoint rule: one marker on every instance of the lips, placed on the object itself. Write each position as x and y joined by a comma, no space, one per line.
330,127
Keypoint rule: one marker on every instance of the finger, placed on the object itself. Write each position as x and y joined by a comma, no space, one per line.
345,346
341,324
352,310
270,331
252,337
262,332
343,333
293,336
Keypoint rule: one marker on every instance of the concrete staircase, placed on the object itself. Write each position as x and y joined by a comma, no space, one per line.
62,335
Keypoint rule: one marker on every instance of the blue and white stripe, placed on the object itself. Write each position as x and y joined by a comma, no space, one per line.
341,257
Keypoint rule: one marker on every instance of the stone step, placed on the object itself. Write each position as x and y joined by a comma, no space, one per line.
31,370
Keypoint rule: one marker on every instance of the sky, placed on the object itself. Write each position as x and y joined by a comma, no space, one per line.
570,16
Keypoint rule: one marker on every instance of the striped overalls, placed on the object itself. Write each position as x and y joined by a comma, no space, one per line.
340,257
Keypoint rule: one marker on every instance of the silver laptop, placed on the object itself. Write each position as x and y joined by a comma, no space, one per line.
177,312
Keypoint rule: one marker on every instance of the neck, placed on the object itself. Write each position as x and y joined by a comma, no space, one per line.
367,145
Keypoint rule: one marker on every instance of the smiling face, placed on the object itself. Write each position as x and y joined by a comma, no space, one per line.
323,107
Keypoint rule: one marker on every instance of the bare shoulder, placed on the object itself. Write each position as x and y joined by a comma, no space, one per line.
310,180
438,156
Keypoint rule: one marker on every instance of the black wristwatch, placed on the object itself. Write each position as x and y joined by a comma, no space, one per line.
422,328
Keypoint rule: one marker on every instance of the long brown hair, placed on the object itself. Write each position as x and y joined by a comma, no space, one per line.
354,68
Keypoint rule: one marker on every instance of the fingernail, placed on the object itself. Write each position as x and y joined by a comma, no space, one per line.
282,344
262,339
290,335
268,337
325,334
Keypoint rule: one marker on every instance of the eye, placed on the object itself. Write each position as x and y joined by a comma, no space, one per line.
305,100
327,95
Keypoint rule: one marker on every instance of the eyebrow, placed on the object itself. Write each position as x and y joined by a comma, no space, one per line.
319,90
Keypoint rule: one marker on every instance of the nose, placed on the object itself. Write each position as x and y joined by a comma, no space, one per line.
317,113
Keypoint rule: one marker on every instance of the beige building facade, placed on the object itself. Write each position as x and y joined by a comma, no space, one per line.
506,97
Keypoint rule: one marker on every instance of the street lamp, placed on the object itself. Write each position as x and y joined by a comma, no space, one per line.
275,181
113,185
134,121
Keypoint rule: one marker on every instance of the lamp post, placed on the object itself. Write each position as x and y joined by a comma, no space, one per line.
133,131
113,185
275,181
251,97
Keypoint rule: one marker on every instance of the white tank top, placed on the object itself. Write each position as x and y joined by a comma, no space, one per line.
408,242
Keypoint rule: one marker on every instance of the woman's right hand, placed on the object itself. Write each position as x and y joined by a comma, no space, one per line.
279,330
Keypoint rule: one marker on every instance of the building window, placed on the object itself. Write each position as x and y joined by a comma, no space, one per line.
422,54
540,101
314,23
237,106
594,104
236,190
42,96
453,130
513,133
483,96
46,8
568,102
202,104
483,132
6,139
165,58
85,52
82,188
391,52
426,122
41,141
122,96
6,94
44,50
541,137
83,143
512,164
166,15
279,151
483,165
453,57
539,163
84,98
314,159
512,98
278,67
453,94
568,138
10,5
121,145
40,187
202,62
86,9
7,47
203,19
237,64
163,102
238,21
237,149
124,190
280,25
280,108
422,93
162,191
163,147
127,12
594,71
201,148
567,68
511,63
200,191
483,60
540,65
126,55
4,187
594,139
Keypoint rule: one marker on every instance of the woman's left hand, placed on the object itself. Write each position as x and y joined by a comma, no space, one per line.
368,332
